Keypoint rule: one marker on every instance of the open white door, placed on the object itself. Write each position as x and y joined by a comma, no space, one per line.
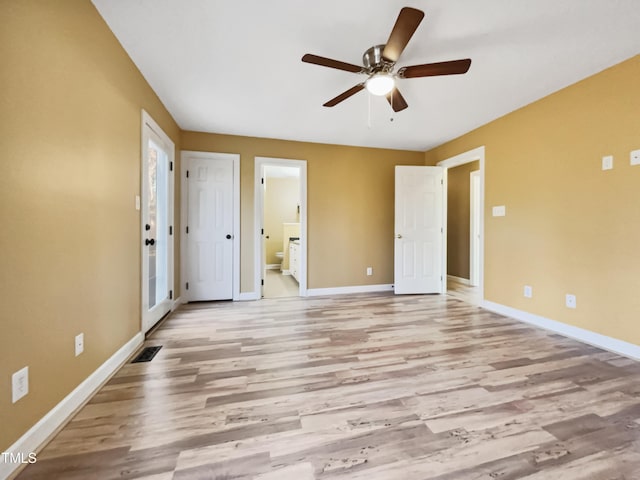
209,229
157,223
418,230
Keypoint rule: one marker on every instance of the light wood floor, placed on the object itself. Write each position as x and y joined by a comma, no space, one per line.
359,387
277,285
464,292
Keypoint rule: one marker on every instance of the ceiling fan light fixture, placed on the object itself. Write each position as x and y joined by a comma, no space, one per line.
380,84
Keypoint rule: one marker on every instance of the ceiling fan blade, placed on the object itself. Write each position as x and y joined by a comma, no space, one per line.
406,25
343,96
396,100
453,67
328,62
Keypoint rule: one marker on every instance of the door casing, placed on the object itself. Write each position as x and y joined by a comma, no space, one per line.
466,157
260,163
474,228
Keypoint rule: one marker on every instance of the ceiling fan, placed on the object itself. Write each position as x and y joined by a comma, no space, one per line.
380,60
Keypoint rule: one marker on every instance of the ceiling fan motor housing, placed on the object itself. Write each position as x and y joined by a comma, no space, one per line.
374,62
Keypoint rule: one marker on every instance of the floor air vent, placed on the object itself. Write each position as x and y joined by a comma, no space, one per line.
146,355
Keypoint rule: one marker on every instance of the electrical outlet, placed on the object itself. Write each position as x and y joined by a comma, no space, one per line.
570,301
19,384
79,344
528,291
499,211
607,162
635,157
369,271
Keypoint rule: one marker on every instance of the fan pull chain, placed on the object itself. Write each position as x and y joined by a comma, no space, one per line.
392,109
369,110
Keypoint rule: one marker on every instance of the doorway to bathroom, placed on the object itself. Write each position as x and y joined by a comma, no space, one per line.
281,227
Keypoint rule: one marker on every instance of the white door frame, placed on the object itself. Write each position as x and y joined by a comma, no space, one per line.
474,270
184,192
260,163
148,124
461,159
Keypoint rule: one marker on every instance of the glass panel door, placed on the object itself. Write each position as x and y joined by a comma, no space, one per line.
158,224
157,251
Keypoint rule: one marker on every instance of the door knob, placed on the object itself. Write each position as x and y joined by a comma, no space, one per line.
398,235
228,236
149,241
147,227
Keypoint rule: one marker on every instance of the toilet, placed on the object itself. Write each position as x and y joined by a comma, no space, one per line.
280,256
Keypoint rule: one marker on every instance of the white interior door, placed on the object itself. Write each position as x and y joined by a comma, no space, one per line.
209,228
418,230
157,223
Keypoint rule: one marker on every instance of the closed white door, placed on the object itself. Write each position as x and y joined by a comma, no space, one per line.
418,230
209,228
157,223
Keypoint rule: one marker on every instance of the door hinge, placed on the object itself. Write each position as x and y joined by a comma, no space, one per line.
187,229
171,166
170,229
262,231
262,282
170,294
187,173
186,285
442,181
441,230
262,181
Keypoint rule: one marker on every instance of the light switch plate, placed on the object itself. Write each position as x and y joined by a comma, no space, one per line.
635,157
19,384
528,291
369,271
499,211
137,202
607,162
79,344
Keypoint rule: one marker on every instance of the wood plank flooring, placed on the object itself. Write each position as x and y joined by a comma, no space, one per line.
464,292
277,285
375,387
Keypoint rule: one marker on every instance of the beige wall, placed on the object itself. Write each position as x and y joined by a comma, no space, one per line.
458,218
70,120
570,227
350,204
281,199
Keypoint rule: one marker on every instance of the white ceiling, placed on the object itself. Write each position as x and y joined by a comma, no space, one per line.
234,67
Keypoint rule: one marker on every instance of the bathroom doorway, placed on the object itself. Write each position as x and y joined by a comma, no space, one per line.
281,227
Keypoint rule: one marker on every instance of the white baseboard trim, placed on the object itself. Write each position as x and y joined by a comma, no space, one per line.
463,281
273,266
35,437
247,296
315,292
585,336
176,303
286,272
